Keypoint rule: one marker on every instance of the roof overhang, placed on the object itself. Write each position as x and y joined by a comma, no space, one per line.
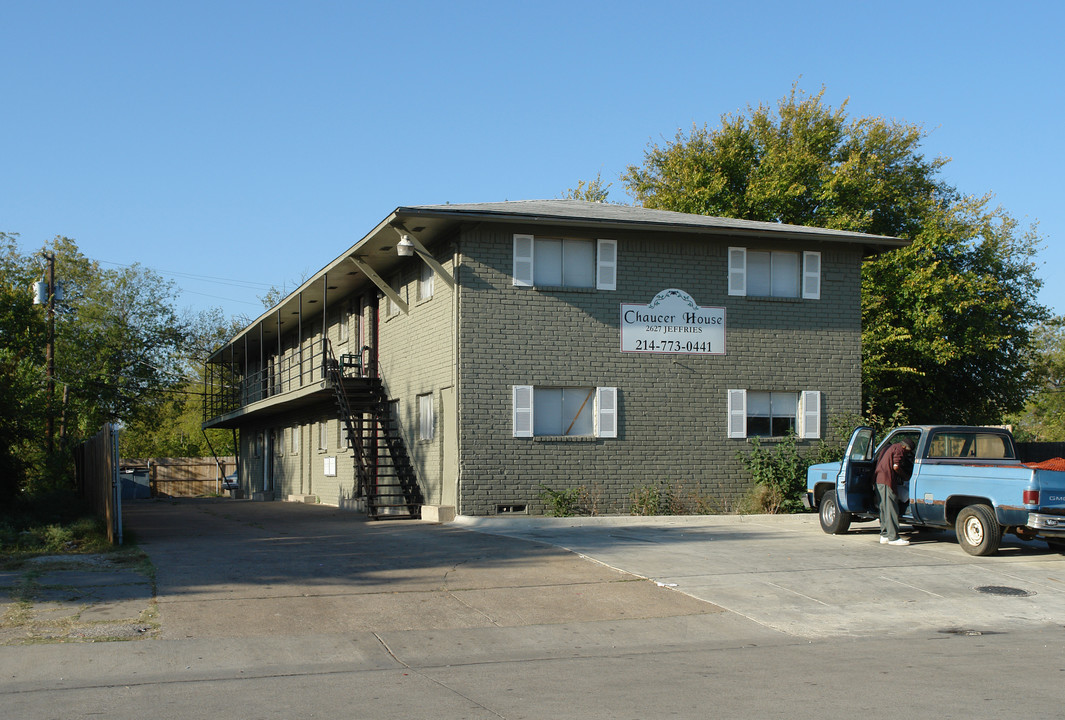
376,251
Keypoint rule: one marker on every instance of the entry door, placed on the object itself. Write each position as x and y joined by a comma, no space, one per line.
268,463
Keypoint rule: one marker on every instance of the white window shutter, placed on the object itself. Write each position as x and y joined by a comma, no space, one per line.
606,267
737,271
523,260
811,276
523,411
810,414
606,404
737,413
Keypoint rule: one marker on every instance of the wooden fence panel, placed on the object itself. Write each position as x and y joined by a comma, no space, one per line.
96,466
184,477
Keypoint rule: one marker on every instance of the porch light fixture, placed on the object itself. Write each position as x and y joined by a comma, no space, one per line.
405,248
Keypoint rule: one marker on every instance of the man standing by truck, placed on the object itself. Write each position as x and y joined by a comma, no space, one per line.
893,468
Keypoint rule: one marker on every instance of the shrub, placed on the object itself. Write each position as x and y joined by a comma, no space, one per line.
645,500
562,503
779,473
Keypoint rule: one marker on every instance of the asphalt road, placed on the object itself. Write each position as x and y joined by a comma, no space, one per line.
287,611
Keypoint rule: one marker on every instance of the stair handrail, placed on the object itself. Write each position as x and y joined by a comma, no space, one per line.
331,371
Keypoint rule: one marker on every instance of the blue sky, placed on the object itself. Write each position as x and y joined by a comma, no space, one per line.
237,145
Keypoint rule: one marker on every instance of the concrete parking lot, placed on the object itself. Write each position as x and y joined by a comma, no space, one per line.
784,573
285,610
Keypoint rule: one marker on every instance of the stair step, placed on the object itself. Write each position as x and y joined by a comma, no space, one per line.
385,474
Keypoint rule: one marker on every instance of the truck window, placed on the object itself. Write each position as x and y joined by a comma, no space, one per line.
970,445
860,450
913,436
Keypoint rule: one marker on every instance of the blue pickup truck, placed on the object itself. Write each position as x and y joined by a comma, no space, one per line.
965,478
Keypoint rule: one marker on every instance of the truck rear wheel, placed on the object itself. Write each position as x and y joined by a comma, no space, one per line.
833,520
978,530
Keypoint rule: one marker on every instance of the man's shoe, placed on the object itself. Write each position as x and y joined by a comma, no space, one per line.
883,540
899,541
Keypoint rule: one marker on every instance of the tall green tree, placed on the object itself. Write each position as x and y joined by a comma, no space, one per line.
22,397
174,428
118,340
947,320
590,191
118,352
1043,417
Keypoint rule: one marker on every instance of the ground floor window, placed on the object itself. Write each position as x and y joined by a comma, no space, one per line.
425,416
771,413
565,411
323,436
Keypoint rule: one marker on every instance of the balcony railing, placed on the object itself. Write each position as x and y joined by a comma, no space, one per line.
229,389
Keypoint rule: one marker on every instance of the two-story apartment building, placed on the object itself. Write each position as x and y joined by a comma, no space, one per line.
467,356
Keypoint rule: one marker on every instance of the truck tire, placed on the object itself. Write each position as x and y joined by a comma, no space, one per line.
833,520
978,530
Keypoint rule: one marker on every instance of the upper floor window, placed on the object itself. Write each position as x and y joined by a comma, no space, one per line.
565,262
391,307
425,283
343,324
774,273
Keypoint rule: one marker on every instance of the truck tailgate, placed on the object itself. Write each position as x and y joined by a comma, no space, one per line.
1051,484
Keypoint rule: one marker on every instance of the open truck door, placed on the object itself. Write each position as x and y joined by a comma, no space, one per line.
854,484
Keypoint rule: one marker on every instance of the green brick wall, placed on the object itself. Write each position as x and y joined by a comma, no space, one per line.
417,356
673,408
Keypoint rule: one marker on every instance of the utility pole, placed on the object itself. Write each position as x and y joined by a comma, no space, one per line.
49,355
49,349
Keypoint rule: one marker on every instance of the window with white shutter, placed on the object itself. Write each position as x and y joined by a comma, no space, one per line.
810,414
737,413
565,263
737,271
607,412
565,411
606,275
774,273
811,276
523,411
523,260
760,413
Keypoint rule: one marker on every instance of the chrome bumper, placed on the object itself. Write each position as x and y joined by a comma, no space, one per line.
1048,525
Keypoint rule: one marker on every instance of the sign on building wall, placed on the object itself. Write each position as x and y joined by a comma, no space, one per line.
673,323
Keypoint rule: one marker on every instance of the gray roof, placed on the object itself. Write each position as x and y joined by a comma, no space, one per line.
582,212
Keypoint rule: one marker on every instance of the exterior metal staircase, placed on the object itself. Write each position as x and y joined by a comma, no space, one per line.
383,470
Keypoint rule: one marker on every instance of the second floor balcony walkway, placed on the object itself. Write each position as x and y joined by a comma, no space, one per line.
296,380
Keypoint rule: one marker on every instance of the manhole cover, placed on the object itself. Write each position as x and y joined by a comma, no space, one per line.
1003,590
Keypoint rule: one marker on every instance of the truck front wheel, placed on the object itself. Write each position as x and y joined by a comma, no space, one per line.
833,520
978,530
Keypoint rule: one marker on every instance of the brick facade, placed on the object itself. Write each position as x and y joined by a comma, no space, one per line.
464,349
673,408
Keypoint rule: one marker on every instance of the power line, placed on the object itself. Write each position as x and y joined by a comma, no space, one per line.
246,284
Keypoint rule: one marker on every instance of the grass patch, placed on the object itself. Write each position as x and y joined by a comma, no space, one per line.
56,523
